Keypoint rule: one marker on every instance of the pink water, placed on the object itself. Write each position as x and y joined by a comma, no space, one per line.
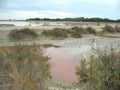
62,66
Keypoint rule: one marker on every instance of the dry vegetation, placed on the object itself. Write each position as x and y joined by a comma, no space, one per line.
78,32
110,29
22,34
58,33
23,68
75,32
102,72
61,33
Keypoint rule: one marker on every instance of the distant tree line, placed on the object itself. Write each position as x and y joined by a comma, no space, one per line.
76,19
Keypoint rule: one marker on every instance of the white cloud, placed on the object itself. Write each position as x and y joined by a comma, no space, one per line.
22,9
19,15
111,1
78,1
101,1
33,14
58,13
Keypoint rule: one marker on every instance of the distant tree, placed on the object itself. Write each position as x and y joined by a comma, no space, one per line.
95,19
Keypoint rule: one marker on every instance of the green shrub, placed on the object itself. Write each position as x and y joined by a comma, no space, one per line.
76,35
22,34
23,68
56,33
102,72
109,29
91,30
75,28
117,28
47,33
78,30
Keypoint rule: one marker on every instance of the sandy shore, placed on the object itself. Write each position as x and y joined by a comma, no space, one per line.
69,42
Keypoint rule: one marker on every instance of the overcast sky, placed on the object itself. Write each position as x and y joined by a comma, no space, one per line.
23,9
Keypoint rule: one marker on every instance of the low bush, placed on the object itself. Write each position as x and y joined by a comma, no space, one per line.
23,68
79,30
57,33
91,30
108,29
75,32
76,35
47,33
117,28
75,29
22,34
88,30
102,72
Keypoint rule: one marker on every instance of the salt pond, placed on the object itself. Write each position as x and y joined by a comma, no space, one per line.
64,61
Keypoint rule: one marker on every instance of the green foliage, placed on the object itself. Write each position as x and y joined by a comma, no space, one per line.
25,33
23,68
95,19
102,72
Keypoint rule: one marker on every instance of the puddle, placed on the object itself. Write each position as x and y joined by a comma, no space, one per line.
63,63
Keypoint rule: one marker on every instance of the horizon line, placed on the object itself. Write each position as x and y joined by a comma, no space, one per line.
61,18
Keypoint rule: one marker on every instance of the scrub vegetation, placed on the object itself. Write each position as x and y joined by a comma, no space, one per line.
60,33
75,32
23,68
56,33
110,29
101,72
21,34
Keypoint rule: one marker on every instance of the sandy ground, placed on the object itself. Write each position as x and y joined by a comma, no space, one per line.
69,42
71,45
